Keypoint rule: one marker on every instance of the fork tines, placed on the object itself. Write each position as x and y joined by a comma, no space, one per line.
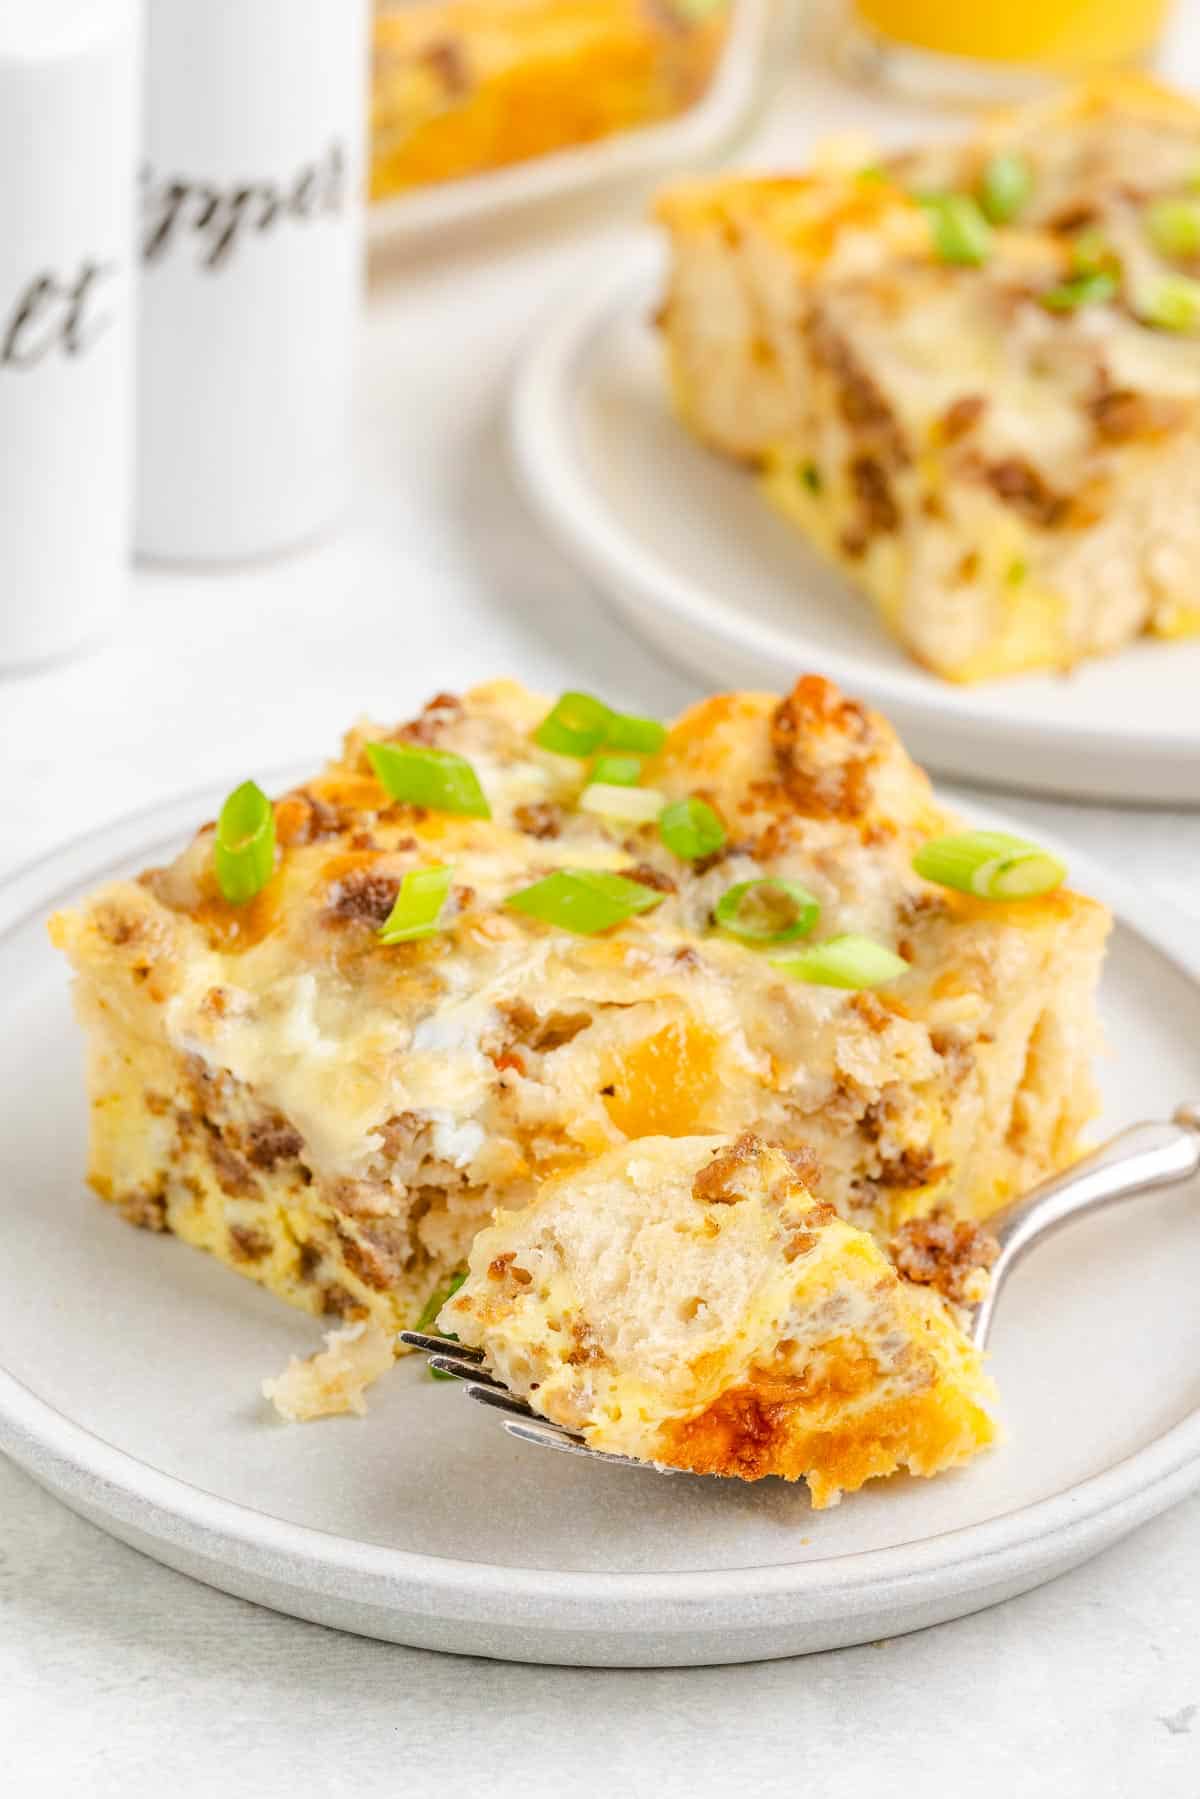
435,1345
465,1364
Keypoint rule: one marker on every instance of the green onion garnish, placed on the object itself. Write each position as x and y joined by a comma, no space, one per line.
617,771
436,779
691,829
989,864
628,805
628,731
429,1311
574,726
437,1299
872,171
767,911
1082,290
848,961
960,232
1092,253
1173,226
584,900
418,905
810,474
1172,303
1005,186
579,723
244,847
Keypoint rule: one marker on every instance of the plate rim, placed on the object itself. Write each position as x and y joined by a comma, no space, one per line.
549,460
85,1469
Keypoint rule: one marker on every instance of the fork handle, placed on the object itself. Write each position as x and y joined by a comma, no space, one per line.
1137,1160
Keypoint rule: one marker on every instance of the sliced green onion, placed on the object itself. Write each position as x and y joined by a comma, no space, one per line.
584,900
629,805
628,731
429,1311
1005,186
436,779
691,829
244,847
579,723
418,905
767,911
617,771
847,961
437,1299
1081,290
989,864
1172,303
872,171
1173,226
1092,253
1016,571
960,232
575,725
810,474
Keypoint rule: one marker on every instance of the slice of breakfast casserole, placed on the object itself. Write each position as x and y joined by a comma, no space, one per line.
688,1302
489,945
971,374
463,86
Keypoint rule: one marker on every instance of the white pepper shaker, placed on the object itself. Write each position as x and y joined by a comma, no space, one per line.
251,272
70,100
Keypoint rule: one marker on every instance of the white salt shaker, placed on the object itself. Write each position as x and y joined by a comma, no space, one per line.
251,272
70,99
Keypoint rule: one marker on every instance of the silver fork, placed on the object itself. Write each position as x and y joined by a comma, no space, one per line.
1140,1159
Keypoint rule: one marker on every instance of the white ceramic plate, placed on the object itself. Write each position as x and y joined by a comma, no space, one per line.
445,207
697,560
130,1367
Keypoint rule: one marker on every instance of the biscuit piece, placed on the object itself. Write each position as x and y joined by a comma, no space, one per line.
688,1302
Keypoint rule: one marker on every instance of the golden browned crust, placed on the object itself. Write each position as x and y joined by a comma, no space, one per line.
760,1429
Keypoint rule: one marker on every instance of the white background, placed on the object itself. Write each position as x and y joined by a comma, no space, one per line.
118,1677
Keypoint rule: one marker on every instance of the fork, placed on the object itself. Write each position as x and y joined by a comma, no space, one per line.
1140,1159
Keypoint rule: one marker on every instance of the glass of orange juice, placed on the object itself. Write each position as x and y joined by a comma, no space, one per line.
990,49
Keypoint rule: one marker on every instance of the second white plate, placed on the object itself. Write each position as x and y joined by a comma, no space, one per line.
699,563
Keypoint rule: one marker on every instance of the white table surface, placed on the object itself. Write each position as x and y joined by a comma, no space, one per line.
120,1677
